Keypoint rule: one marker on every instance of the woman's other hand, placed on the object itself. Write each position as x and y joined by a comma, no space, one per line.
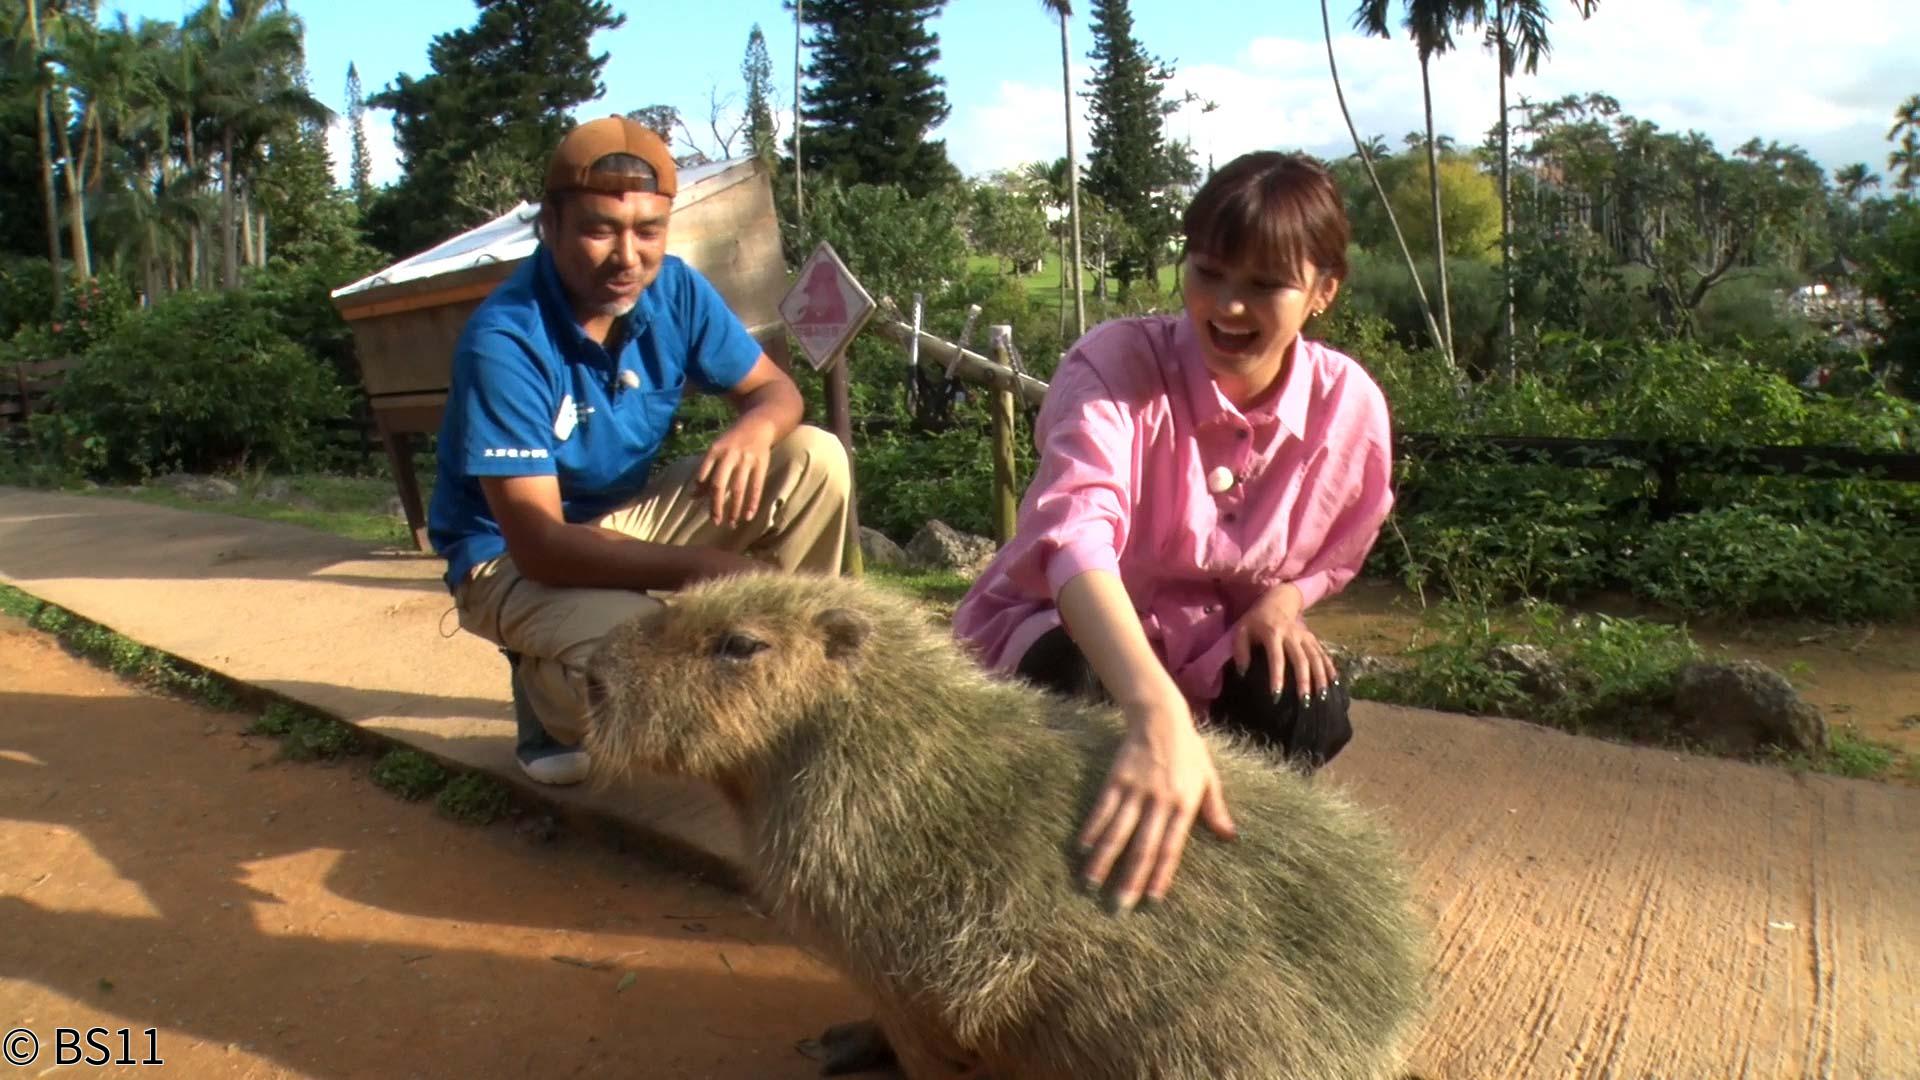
1274,624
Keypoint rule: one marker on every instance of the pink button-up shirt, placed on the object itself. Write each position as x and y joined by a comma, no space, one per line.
1146,470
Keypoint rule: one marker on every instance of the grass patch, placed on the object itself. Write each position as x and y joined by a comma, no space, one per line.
474,799
1851,754
305,735
409,774
941,588
1592,674
148,668
351,506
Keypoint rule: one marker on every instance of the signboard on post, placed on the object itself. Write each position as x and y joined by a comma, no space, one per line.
826,307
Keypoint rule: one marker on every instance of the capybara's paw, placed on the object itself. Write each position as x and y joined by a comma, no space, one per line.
855,1047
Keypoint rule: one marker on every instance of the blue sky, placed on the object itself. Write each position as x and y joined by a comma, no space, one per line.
1825,74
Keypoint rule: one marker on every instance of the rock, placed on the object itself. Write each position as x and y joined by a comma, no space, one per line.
1353,664
207,488
939,546
395,508
1536,673
877,550
1743,706
275,490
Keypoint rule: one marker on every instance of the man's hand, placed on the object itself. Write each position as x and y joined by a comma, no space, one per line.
1161,779
1274,623
734,471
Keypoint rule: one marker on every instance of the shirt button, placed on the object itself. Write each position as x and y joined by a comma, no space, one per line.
1220,480
1229,517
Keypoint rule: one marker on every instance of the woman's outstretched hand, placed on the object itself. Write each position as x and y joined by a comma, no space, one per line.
1161,780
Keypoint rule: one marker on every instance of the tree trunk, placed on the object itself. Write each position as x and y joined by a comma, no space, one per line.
262,234
246,230
1366,159
76,201
1439,233
1506,191
196,252
1063,283
46,163
799,194
1073,186
229,232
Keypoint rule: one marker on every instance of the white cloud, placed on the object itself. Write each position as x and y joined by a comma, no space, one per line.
1825,74
383,152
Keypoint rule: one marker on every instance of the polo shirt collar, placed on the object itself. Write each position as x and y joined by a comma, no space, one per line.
552,295
1210,406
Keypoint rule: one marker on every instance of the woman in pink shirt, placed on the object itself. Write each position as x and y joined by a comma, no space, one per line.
1204,478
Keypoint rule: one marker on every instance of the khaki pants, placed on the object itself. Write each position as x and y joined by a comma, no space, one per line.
801,526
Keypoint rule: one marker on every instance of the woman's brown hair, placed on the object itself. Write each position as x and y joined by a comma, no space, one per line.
1271,210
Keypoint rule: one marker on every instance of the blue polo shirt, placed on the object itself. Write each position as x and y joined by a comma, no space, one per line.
533,395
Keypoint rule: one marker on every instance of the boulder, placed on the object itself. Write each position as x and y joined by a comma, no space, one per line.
939,546
1743,706
877,550
1536,673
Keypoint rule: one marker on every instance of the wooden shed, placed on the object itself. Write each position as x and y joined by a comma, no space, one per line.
407,318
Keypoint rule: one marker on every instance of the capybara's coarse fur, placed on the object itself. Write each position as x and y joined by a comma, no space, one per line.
916,820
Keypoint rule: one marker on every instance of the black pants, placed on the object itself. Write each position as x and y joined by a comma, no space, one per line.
1308,733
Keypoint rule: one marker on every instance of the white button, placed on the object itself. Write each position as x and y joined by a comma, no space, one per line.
1219,480
630,380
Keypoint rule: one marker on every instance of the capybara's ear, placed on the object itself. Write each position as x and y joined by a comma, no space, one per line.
845,631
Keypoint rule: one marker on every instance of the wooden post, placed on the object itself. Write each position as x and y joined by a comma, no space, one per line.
840,419
1006,500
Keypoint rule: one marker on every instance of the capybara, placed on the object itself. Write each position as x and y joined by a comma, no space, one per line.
914,818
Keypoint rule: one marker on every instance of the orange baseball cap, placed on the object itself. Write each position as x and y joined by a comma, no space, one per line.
571,168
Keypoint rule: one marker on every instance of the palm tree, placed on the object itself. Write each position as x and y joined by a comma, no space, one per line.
1905,158
1363,149
1373,145
251,94
1064,9
1518,33
1431,24
1853,179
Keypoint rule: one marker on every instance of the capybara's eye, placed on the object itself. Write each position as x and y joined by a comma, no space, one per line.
738,646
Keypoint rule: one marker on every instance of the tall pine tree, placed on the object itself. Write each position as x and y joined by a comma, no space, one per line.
361,175
756,69
1133,168
487,118
873,96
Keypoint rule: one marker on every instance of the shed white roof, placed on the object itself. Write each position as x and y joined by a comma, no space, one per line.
507,238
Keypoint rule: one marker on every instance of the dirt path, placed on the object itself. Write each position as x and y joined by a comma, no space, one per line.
1602,911
159,868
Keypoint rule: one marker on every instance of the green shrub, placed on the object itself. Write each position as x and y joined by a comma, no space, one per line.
278,720
202,382
907,480
409,774
473,798
316,738
1754,560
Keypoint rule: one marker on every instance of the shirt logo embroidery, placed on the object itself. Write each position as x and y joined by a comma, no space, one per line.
514,452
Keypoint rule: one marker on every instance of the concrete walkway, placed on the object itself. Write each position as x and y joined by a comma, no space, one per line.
1602,911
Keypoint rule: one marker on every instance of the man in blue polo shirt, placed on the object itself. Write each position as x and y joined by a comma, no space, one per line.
553,515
